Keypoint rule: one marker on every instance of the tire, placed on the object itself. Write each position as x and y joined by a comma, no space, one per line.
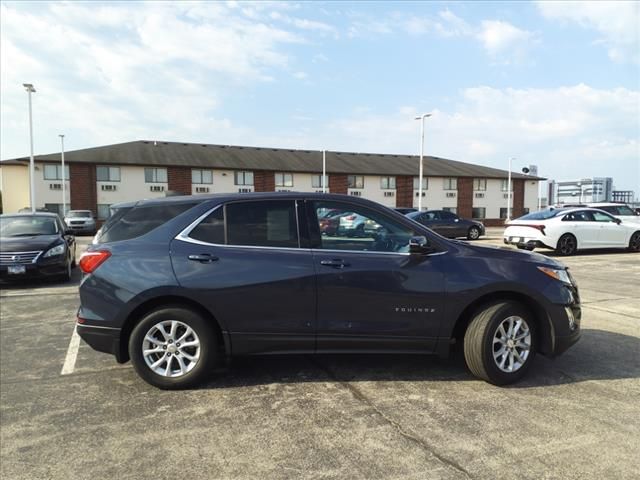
482,352
189,364
66,276
473,233
634,242
567,245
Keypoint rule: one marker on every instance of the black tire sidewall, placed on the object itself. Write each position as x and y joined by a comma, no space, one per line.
205,333
470,236
559,248
497,376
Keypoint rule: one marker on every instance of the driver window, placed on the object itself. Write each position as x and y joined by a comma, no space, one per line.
602,217
352,227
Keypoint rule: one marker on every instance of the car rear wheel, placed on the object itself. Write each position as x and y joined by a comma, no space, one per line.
567,245
634,242
173,348
473,233
499,344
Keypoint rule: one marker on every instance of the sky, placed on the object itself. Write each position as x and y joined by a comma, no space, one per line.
554,84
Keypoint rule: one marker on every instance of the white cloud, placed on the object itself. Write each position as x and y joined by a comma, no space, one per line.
618,23
503,41
116,72
567,131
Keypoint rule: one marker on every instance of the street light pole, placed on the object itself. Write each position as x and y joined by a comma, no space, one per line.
64,178
32,192
509,191
421,172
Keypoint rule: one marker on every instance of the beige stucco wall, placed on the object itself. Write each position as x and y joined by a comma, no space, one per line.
14,183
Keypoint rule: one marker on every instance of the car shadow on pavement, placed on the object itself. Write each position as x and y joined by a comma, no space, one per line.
599,355
587,253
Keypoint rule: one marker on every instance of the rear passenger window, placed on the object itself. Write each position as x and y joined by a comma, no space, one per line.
141,220
264,224
211,229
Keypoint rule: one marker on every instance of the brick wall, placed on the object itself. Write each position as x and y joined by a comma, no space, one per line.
179,179
465,197
264,181
338,184
518,198
82,185
404,191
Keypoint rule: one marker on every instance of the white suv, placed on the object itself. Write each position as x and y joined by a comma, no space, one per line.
618,210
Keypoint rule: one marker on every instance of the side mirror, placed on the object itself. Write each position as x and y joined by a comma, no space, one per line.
618,221
419,245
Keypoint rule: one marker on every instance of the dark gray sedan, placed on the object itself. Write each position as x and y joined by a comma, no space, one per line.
448,224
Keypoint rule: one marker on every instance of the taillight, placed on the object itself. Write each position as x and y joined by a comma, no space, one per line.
89,261
537,227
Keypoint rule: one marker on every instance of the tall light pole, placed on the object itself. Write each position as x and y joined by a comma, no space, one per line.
64,178
509,191
32,192
421,173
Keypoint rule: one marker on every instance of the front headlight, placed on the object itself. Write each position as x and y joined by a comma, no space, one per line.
561,275
57,250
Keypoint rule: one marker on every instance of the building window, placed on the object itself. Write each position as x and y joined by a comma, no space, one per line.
316,181
107,174
103,211
505,185
425,183
479,212
503,212
355,181
450,183
201,176
243,178
388,183
284,179
54,172
450,209
480,184
155,175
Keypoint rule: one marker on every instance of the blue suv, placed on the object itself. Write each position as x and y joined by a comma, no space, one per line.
178,284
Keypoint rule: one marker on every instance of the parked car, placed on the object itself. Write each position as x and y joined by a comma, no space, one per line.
35,245
618,210
448,224
80,221
405,210
180,283
568,230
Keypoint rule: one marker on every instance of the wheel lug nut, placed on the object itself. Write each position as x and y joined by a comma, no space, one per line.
164,347
168,354
177,344
170,341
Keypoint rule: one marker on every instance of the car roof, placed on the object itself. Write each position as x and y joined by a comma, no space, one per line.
30,214
606,204
226,197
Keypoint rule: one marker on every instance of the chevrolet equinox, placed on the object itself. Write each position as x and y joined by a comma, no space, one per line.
179,284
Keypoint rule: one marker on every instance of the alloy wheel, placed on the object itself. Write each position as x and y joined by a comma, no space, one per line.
171,348
474,233
568,245
634,244
511,344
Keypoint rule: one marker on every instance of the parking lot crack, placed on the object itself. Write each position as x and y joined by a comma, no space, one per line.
361,397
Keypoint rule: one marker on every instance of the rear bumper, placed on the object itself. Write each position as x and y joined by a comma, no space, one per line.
524,242
101,339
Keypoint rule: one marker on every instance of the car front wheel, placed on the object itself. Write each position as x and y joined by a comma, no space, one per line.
634,242
499,344
173,348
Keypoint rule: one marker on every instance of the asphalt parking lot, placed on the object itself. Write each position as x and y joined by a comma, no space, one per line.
577,416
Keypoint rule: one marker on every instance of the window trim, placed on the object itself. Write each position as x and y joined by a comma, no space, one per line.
155,176
109,167
201,170
184,234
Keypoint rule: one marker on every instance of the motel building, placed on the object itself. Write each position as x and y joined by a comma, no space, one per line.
98,177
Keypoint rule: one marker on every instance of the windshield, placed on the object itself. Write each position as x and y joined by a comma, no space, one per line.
27,226
79,214
541,215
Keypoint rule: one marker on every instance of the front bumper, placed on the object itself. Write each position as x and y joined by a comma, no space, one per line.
86,228
41,269
101,339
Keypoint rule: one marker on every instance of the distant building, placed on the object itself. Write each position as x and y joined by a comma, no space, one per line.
585,190
623,196
101,176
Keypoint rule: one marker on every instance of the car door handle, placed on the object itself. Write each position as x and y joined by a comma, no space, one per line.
335,263
203,258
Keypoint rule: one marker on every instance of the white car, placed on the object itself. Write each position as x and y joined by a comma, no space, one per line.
618,210
567,230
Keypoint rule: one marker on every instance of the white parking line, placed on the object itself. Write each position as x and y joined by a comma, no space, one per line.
72,354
